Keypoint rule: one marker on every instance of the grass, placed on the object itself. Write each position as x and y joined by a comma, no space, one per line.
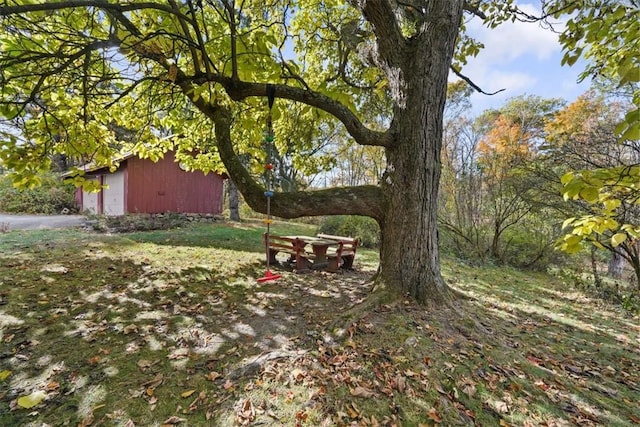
171,327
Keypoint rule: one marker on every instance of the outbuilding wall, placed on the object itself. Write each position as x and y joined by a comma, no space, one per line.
164,187
142,186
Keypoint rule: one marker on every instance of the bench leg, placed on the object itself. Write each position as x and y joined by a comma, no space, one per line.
302,264
334,264
272,256
348,262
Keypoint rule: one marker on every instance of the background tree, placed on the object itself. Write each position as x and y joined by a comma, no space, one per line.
582,138
490,201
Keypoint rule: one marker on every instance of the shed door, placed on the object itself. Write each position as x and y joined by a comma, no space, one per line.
113,196
90,201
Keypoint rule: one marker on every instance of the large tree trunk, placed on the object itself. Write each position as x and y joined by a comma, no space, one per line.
409,257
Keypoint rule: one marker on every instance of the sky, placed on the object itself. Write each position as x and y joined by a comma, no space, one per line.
523,59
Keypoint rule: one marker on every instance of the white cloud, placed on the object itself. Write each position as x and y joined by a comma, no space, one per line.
522,58
514,40
512,81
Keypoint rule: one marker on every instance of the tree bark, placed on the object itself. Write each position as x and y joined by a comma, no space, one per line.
234,201
409,256
616,266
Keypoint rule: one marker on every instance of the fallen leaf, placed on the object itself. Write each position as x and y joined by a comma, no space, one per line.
87,421
32,399
352,410
469,389
173,420
297,374
361,392
52,386
144,364
501,406
130,329
213,375
4,375
433,414
187,393
301,416
227,385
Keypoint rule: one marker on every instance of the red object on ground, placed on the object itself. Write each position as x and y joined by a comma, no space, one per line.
269,276
268,166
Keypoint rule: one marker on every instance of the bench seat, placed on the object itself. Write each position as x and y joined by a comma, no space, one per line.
344,254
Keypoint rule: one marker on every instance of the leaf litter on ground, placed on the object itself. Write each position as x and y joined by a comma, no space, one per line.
184,335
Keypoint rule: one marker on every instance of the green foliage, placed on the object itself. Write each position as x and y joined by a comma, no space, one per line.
364,228
607,190
51,197
606,35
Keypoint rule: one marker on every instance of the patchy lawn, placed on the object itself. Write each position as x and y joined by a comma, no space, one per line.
171,327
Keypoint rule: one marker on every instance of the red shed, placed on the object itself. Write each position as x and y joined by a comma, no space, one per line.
142,186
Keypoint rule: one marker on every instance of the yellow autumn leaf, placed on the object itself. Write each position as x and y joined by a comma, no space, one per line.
4,375
618,238
32,399
187,393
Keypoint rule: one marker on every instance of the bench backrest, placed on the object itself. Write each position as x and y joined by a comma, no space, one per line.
348,243
281,242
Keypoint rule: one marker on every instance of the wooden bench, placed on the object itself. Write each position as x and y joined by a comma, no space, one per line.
344,254
289,245
305,252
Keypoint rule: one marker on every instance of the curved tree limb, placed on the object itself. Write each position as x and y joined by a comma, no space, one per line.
474,9
364,200
102,4
239,90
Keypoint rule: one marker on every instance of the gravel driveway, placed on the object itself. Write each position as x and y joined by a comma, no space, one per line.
34,222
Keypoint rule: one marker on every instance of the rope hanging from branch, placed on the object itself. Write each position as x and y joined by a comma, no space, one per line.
268,167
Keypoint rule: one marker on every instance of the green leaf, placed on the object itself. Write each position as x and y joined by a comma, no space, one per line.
618,238
589,194
612,204
31,400
566,178
632,133
567,222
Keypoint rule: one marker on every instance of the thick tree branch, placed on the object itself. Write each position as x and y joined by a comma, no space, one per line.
101,4
381,16
472,7
191,44
363,200
239,90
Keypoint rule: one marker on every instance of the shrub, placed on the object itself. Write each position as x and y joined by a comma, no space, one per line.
362,227
51,197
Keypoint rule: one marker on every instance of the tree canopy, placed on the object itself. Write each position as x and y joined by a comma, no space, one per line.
73,72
